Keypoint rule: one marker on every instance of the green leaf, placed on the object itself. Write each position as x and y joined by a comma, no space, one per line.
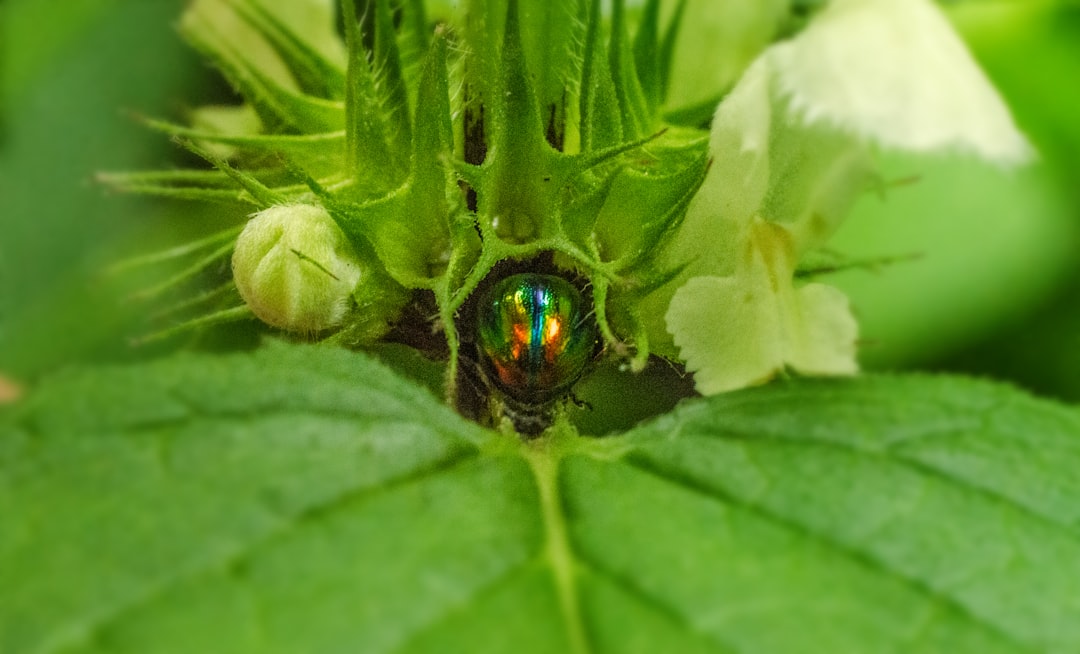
305,498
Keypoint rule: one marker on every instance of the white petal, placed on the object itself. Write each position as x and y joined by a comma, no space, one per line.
822,336
766,167
714,231
895,72
727,332
742,329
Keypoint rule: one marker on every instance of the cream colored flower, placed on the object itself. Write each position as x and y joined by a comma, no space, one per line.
792,151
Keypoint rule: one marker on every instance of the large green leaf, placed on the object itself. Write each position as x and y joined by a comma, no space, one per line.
308,499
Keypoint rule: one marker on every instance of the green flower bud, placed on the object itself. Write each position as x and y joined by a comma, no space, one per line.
295,268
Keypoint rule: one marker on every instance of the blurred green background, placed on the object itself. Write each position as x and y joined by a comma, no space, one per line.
993,291
73,75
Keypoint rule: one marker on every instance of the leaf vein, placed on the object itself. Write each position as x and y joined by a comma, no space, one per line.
852,553
243,554
493,585
655,604
917,465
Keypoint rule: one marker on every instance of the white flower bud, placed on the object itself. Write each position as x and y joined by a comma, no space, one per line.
295,268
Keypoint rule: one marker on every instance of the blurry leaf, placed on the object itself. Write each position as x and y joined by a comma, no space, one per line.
717,40
307,499
993,246
1031,51
1040,351
64,125
28,48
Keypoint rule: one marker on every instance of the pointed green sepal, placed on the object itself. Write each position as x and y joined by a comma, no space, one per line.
601,125
368,144
315,73
667,47
264,82
633,107
259,192
551,37
643,210
222,317
647,60
390,78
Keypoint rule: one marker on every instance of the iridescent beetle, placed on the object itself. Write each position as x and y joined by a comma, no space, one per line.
534,335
